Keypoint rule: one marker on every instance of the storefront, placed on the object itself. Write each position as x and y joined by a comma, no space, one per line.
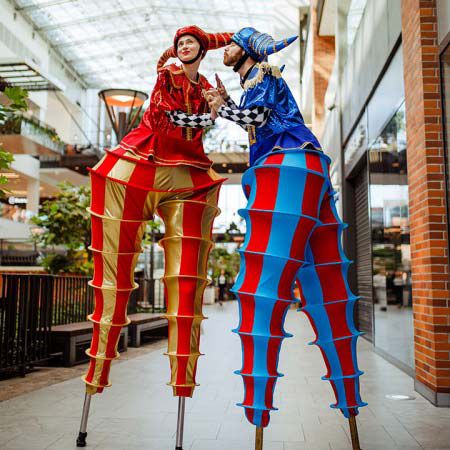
376,176
445,90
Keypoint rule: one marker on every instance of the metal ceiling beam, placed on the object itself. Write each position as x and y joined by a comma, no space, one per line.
117,34
179,10
116,52
151,66
49,4
54,51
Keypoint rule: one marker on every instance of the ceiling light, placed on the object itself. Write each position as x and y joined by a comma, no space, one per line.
400,397
123,107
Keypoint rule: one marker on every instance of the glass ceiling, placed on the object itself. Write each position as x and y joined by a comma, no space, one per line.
117,43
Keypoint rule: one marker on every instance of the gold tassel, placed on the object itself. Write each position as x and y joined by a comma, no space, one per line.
263,69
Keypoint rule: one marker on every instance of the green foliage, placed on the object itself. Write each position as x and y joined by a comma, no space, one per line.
65,218
17,99
17,103
6,159
66,222
152,227
220,258
55,263
231,231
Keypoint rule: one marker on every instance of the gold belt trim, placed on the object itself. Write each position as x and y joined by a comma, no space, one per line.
168,316
166,277
110,288
89,317
96,250
194,238
183,354
209,205
102,216
95,385
103,358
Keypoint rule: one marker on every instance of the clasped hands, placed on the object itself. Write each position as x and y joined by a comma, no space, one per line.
216,97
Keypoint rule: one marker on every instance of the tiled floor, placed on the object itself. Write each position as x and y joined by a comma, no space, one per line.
139,412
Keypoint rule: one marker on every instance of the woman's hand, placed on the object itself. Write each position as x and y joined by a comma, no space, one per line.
214,99
216,102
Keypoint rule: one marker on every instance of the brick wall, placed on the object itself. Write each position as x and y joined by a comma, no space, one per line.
323,57
427,200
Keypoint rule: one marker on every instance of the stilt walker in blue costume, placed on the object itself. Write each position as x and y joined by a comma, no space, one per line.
293,234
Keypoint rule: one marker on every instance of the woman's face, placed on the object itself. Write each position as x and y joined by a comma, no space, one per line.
187,48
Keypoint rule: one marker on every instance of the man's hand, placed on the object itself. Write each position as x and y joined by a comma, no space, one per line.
221,88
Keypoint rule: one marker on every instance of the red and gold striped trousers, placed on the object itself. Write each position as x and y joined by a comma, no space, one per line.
126,193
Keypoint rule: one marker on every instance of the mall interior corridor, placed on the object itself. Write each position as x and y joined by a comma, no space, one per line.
139,412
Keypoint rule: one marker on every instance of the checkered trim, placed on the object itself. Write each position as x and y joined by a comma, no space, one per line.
231,104
181,119
256,116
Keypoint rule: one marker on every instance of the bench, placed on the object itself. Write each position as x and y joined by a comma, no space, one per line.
73,339
143,322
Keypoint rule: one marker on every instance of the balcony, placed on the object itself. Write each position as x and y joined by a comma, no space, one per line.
30,136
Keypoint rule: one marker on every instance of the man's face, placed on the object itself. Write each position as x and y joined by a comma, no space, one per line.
232,54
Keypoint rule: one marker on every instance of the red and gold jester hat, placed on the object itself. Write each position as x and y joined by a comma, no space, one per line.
208,41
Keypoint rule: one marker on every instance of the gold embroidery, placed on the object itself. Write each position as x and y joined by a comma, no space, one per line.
251,134
263,69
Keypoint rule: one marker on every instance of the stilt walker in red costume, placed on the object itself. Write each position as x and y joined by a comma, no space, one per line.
160,167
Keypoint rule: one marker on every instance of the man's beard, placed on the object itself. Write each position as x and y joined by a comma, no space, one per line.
231,62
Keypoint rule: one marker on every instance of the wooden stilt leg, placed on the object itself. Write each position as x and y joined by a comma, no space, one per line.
259,438
354,433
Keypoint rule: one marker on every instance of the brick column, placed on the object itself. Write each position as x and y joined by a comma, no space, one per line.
323,61
427,200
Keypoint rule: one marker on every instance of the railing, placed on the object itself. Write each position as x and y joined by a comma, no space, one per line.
18,252
34,129
149,297
42,134
25,321
31,304
73,299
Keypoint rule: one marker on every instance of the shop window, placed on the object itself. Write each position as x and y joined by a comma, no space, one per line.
445,76
391,255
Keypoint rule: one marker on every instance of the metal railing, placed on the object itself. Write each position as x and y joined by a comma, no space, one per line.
31,304
35,130
18,252
73,299
25,321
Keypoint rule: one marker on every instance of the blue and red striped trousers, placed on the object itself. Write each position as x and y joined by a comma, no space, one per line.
293,235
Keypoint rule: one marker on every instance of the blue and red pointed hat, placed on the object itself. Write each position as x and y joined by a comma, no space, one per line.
259,45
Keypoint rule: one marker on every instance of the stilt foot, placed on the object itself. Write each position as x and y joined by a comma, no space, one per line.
81,439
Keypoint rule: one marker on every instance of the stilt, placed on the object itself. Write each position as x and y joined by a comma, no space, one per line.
354,433
259,438
180,423
81,440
